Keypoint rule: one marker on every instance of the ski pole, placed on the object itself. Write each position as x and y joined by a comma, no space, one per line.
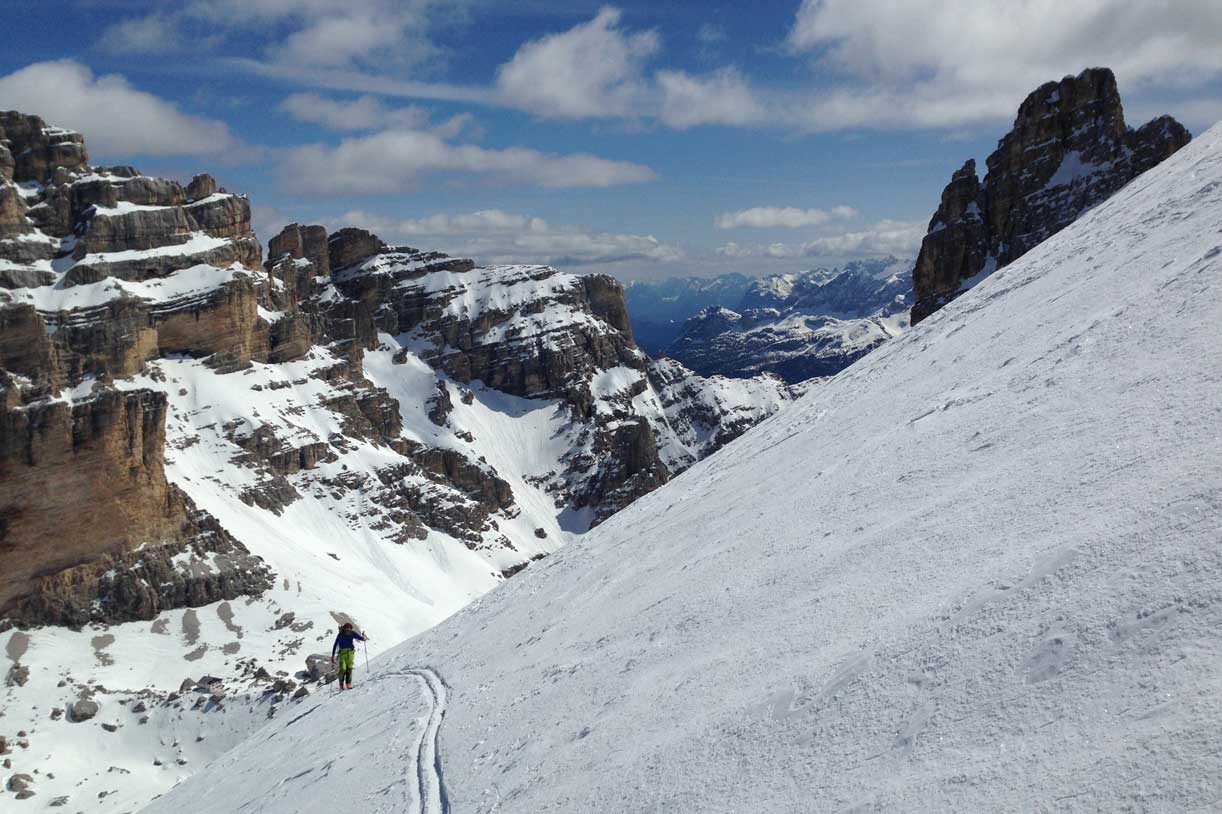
366,646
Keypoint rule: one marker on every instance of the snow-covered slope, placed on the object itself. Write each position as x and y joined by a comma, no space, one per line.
977,571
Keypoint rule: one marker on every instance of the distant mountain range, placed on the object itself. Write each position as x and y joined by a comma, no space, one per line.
659,308
800,325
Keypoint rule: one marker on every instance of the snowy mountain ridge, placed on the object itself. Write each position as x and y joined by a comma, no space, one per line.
660,307
801,325
977,571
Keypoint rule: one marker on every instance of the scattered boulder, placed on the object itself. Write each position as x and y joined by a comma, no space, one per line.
440,405
186,686
211,683
20,782
57,713
302,692
60,801
319,667
139,707
84,710
109,727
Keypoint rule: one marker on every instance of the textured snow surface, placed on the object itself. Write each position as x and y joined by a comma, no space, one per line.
977,571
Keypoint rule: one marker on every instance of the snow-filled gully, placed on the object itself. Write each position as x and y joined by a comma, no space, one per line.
426,763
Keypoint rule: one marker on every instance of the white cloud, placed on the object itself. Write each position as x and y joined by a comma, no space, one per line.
369,113
723,97
496,236
882,238
154,34
392,160
303,33
781,217
598,70
472,223
962,61
363,113
116,118
336,41
591,70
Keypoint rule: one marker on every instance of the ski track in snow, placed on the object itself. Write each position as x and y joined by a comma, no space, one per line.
347,751
431,795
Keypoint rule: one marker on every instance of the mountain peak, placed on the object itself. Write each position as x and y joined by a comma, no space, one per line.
1069,149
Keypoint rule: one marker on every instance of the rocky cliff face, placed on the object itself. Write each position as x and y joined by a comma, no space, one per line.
527,331
172,403
91,529
1069,149
800,326
88,293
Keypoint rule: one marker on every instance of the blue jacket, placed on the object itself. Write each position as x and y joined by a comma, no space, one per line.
346,641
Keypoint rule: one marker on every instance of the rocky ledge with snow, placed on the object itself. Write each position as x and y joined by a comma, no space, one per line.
1069,150
800,326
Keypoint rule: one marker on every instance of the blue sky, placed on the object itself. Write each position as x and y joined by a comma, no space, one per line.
642,139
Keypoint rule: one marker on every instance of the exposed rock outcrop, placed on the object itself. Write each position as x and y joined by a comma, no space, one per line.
528,331
1069,150
35,151
114,268
83,487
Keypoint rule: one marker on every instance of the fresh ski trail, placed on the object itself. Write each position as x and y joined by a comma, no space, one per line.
430,783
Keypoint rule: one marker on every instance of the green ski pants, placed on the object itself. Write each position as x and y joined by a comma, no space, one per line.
347,660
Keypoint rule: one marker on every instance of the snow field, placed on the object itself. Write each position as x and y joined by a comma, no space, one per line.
977,571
